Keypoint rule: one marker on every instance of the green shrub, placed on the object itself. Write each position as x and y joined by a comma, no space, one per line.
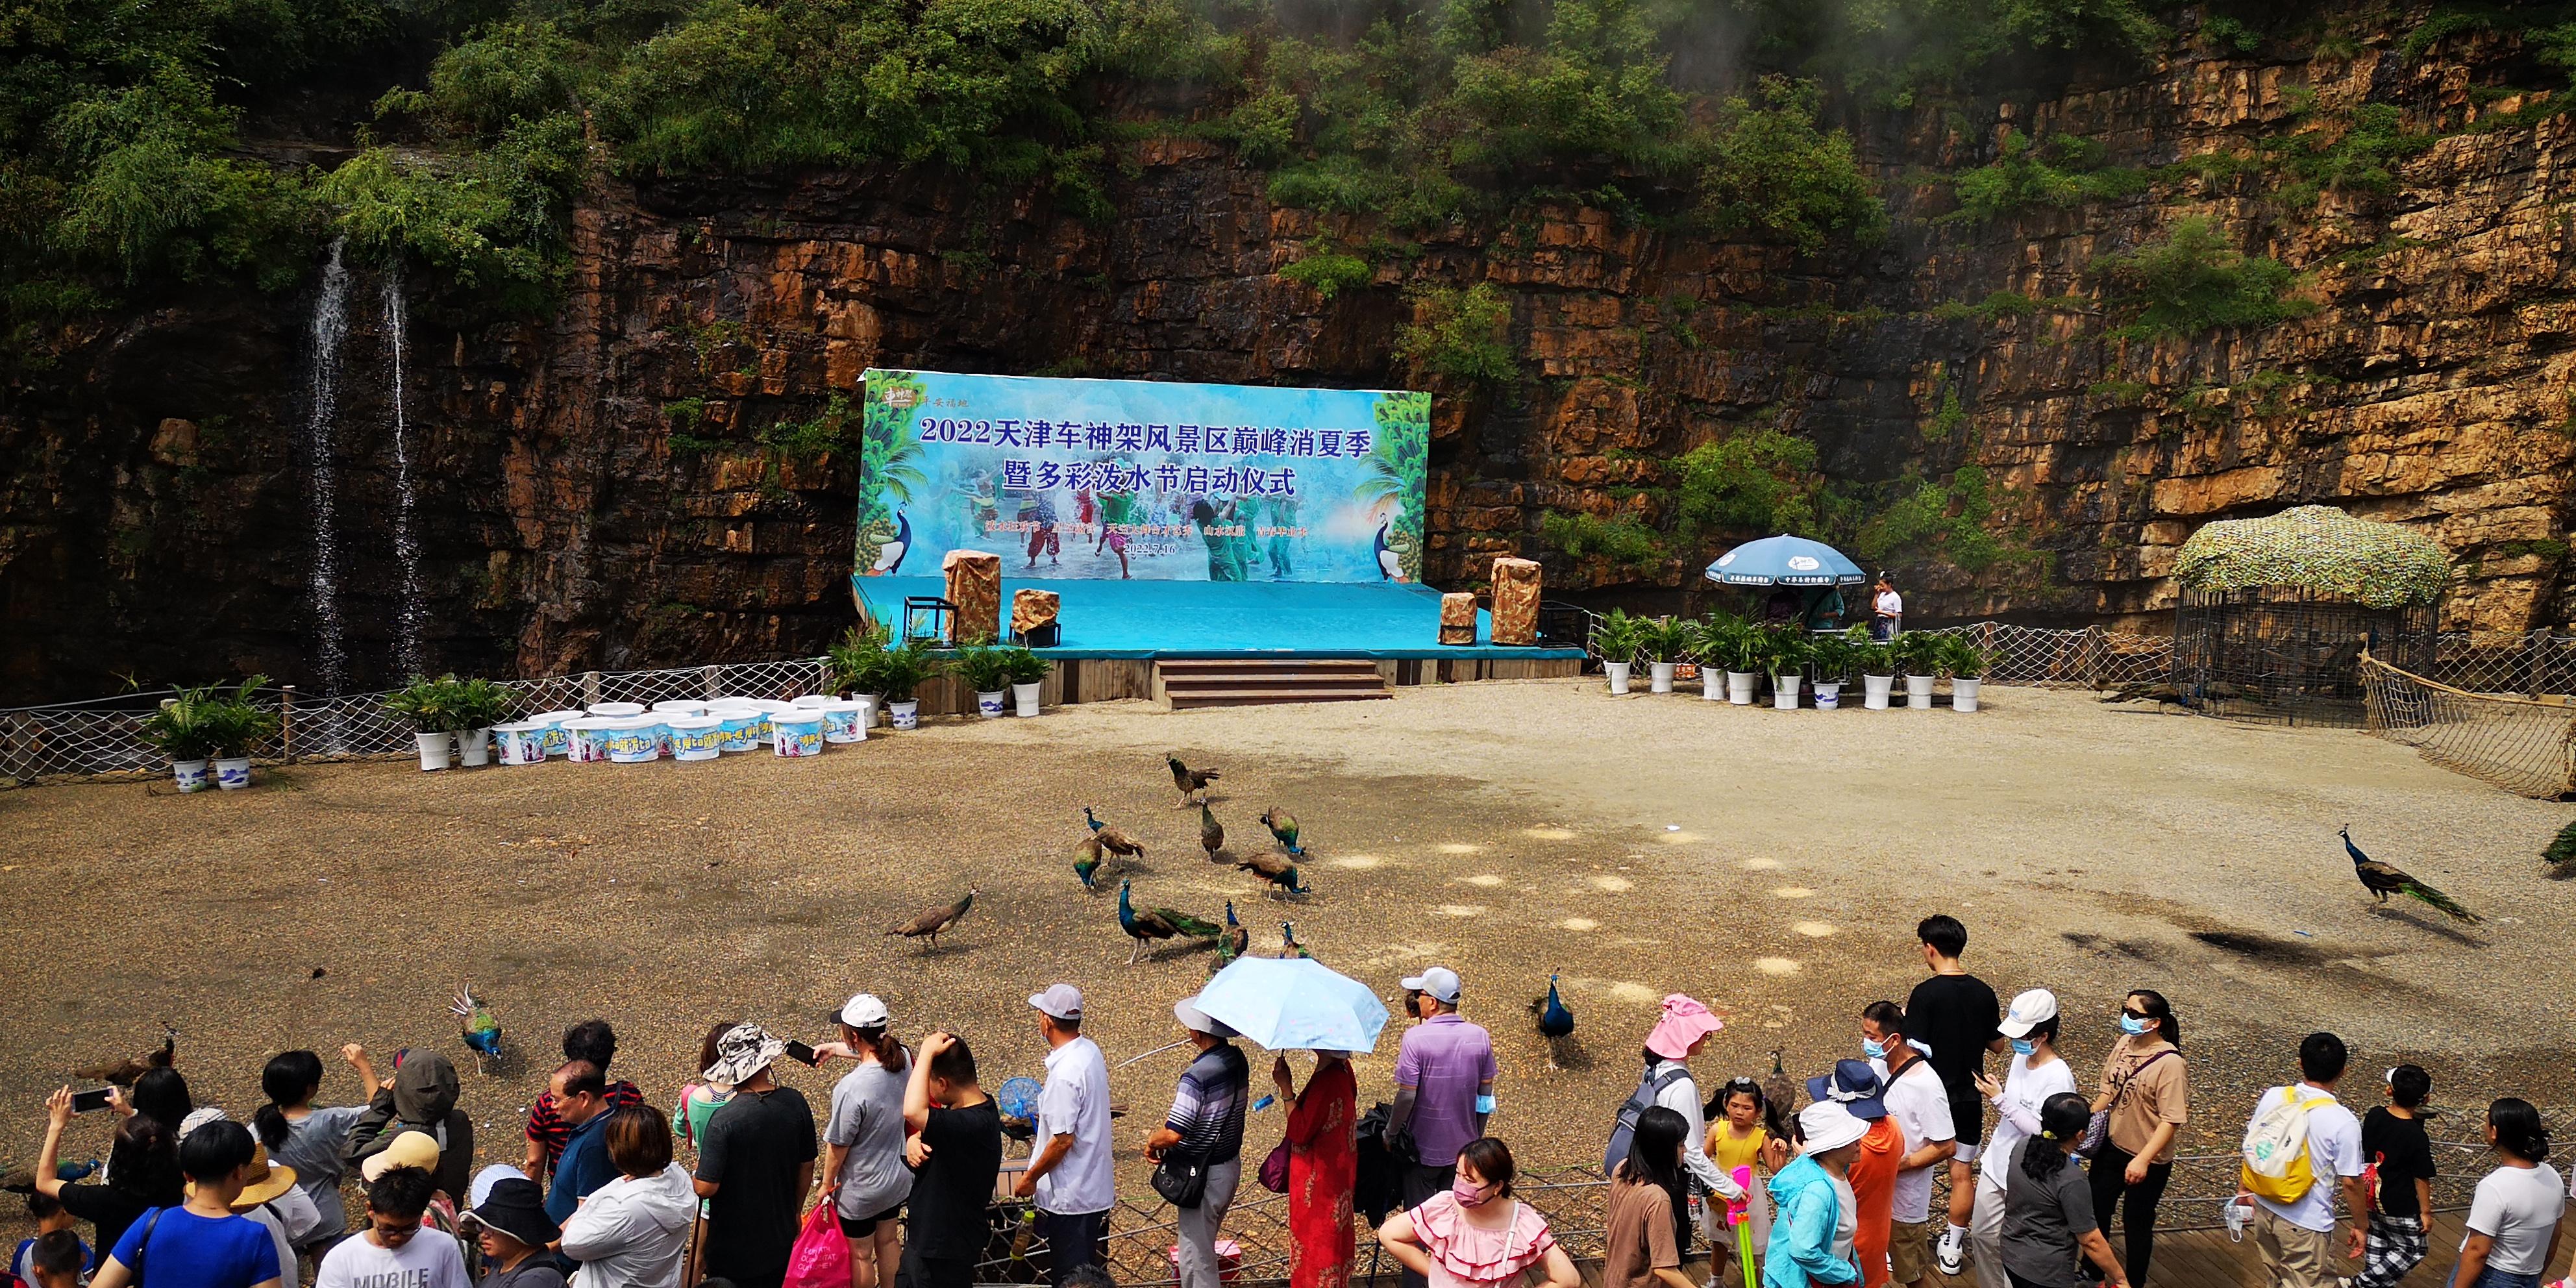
1776,172
2362,158
1622,541
1460,334
1759,482
492,221
1329,272
2068,172
2193,281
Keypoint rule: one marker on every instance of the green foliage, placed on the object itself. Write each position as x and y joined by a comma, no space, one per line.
1775,172
1995,307
1666,639
1329,272
207,721
1762,482
1021,666
1832,657
2066,173
2443,24
1933,520
2194,281
851,663
2231,34
1949,419
983,667
2361,158
1460,334
1961,657
449,705
1581,536
1618,637
826,431
492,221
1723,640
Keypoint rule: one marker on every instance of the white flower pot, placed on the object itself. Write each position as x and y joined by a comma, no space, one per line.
1784,693
232,773
1963,694
1660,677
1618,673
1024,697
1918,692
1874,691
190,775
1829,697
906,714
1739,687
1712,684
989,705
873,704
433,749
474,748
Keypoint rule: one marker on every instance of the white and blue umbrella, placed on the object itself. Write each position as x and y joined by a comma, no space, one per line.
1785,561
1294,1004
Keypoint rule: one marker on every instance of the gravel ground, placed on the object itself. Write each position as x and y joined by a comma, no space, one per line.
1773,863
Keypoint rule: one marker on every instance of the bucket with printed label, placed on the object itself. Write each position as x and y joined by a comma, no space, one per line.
558,739
586,739
679,708
616,710
695,737
798,734
842,721
523,743
634,740
813,700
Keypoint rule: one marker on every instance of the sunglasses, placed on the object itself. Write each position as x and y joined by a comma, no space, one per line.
2135,1015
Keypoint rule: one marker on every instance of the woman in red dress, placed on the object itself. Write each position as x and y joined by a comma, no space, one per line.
1323,1165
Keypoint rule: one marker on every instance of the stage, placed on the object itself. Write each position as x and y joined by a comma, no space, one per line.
1229,619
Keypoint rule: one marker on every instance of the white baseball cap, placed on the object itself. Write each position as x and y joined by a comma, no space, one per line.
2029,1010
1439,981
1059,1001
1197,1021
864,1011
1829,1126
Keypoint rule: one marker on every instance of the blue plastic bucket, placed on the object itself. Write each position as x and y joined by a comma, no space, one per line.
634,740
558,739
841,721
523,743
695,737
586,739
799,734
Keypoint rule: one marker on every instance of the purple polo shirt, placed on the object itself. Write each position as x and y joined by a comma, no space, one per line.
1444,1059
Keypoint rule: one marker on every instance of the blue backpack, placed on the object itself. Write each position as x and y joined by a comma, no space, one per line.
1623,1128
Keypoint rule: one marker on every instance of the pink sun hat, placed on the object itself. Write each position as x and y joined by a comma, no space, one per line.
1684,1021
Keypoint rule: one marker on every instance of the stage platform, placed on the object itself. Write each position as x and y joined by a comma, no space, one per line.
1230,619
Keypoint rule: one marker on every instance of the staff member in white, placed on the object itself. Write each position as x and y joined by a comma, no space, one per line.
2513,1219
1070,1175
2036,1074
1887,611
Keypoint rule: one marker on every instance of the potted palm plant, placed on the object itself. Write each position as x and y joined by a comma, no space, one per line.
234,724
1918,653
850,669
423,705
1667,641
179,729
474,707
1027,672
1715,642
987,672
1784,656
901,672
1615,640
1831,656
1877,673
1966,664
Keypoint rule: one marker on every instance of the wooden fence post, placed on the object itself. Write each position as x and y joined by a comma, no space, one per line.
590,688
714,678
286,722
2535,647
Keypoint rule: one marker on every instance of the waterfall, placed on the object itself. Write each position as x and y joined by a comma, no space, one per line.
414,609
322,414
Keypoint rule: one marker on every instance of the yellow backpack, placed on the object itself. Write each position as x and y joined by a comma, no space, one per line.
2276,1165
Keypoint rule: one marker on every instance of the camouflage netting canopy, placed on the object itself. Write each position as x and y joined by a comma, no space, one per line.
2316,548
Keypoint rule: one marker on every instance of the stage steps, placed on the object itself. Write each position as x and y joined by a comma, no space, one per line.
1242,682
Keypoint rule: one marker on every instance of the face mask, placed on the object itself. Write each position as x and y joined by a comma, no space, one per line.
2132,1025
2024,1046
1468,1195
1873,1048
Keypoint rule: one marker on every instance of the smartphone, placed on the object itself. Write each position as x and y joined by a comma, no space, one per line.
88,1101
802,1054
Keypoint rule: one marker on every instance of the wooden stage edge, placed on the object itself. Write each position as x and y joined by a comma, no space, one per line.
1109,679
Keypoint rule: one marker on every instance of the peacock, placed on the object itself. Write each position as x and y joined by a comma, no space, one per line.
933,921
123,1072
1192,782
482,1033
1778,1094
1230,945
2562,848
1211,832
890,553
1086,861
1288,945
1390,562
1276,870
22,1180
1161,923
2383,880
1555,1022
1115,840
1283,825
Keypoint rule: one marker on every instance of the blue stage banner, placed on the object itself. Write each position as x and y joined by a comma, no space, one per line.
1142,479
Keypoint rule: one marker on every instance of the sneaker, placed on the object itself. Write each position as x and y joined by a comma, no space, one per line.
1947,1253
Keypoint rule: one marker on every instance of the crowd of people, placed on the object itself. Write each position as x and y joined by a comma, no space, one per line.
911,1158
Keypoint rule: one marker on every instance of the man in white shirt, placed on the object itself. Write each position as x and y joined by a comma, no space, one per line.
2293,1237
1920,1104
394,1249
1070,1175
1887,610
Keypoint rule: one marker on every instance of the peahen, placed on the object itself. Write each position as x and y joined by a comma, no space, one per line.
1288,945
1283,825
2383,880
1161,923
475,1023
1211,832
1192,782
1115,840
1778,1095
1555,1022
123,1072
933,921
1274,869
1230,945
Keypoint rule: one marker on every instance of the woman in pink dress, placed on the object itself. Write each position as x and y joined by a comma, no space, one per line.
1323,1165
1477,1234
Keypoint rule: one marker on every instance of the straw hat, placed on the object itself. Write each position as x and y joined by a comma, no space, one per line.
266,1181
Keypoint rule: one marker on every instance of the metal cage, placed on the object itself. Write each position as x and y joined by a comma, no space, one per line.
2287,656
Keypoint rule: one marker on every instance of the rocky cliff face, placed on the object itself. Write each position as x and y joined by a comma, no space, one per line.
649,476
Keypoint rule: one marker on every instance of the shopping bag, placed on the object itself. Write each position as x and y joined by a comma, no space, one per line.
821,1257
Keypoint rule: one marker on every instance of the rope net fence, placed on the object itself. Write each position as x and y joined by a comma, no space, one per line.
2517,743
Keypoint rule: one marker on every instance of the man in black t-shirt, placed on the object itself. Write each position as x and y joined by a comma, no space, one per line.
756,1164
1955,1013
955,1152
2393,1147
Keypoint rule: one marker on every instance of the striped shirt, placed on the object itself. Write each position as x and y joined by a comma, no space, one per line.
547,1127
1208,1109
